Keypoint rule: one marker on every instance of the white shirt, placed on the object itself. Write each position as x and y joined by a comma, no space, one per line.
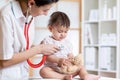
12,41
65,46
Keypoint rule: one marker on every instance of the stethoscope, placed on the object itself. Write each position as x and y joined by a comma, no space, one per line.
26,30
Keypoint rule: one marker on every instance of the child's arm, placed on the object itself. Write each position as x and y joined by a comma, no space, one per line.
55,59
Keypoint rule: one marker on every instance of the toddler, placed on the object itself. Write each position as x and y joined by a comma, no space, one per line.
61,65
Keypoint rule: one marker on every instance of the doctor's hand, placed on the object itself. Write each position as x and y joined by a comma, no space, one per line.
48,49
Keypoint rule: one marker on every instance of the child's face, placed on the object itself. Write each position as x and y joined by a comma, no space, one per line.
59,33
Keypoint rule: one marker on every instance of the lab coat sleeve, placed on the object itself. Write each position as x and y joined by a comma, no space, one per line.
6,37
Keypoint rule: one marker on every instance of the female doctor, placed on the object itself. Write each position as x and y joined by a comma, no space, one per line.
14,18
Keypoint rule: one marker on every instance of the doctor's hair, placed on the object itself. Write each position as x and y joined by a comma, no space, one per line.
58,19
44,2
41,2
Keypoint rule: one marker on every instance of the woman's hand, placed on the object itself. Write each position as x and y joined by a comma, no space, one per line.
91,77
48,49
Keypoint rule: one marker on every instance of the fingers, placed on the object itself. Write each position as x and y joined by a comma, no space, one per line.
53,48
49,49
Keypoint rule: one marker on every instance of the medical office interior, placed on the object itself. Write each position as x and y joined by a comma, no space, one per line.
94,33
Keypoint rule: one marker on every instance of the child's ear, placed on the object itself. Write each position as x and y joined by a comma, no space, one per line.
50,28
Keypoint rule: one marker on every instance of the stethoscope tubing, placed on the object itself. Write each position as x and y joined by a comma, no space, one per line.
27,25
26,30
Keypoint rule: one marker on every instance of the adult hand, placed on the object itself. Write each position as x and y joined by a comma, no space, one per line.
48,49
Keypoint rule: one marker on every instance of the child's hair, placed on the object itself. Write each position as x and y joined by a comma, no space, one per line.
59,19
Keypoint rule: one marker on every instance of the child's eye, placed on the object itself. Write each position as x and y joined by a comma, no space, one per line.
60,31
65,31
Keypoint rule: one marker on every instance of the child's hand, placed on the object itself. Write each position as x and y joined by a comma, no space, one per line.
70,56
64,62
61,61
91,77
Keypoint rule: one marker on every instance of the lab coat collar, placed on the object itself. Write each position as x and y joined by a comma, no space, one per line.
17,9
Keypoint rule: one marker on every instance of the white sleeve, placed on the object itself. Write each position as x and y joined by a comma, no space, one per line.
6,37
